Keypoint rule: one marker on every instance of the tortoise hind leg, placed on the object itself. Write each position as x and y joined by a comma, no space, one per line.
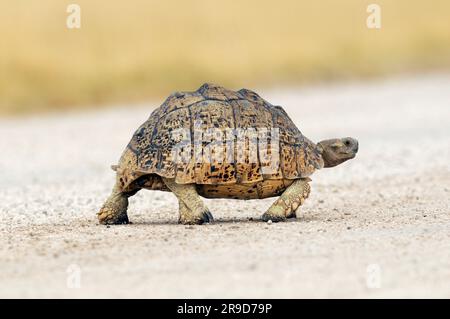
192,209
114,210
285,206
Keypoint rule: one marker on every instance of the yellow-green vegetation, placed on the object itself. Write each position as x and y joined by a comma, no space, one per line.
128,51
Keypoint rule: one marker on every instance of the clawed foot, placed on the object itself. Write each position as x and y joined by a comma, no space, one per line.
114,211
106,217
275,218
205,217
282,210
275,214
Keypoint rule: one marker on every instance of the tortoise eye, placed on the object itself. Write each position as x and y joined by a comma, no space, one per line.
347,143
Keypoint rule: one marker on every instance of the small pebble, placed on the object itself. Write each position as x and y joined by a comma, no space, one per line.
269,221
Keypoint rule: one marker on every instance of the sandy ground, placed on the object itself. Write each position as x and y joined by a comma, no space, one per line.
377,226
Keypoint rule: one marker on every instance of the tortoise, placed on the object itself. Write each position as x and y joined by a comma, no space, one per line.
258,153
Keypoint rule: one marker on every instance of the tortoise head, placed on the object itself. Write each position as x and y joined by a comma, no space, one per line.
337,151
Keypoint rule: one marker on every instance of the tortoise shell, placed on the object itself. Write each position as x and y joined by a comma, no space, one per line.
154,149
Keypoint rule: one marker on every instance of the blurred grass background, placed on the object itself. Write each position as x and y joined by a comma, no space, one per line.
130,51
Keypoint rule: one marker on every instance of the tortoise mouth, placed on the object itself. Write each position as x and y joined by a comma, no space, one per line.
351,154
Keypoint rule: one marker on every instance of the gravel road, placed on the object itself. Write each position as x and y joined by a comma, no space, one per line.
376,226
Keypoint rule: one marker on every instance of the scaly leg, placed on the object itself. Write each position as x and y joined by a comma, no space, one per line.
192,208
114,210
184,211
285,206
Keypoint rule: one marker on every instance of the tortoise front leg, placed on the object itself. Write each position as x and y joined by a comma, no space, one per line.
114,210
285,206
192,209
